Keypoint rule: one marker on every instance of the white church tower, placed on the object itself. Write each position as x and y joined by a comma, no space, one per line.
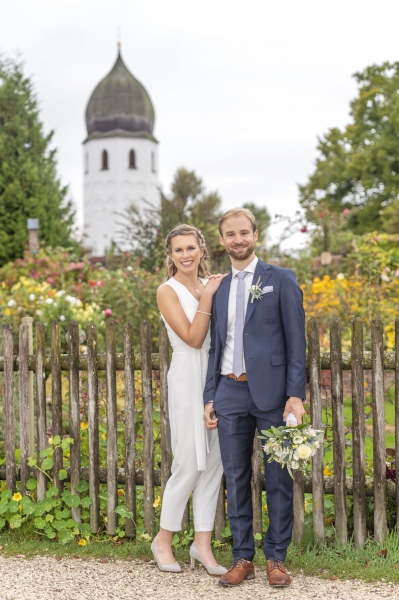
120,155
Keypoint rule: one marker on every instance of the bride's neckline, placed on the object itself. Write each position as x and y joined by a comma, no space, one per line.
186,286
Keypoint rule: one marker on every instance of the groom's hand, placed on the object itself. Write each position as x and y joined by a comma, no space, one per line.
209,416
295,406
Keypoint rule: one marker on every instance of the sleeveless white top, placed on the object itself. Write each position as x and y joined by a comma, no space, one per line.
186,381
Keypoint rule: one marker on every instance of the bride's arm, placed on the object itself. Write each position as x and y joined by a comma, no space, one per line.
193,333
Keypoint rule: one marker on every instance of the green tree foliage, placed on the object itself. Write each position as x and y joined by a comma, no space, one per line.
29,187
358,167
143,231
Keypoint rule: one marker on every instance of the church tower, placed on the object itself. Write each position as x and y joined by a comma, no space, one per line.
120,155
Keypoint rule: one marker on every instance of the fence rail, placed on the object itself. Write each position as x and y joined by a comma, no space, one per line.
359,486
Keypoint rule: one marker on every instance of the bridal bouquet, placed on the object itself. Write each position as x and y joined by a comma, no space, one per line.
292,447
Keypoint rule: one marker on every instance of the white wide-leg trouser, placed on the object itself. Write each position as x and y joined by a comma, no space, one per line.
186,479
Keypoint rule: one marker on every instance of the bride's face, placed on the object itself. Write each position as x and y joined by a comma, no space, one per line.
186,253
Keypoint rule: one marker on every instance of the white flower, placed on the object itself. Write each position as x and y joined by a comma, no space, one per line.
60,293
72,300
49,301
129,268
11,303
304,451
340,276
298,439
31,297
39,313
62,317
384,278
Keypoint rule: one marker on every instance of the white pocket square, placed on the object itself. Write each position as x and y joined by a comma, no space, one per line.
267,289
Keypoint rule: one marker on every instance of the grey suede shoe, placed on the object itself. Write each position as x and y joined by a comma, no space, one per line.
214,571
173,568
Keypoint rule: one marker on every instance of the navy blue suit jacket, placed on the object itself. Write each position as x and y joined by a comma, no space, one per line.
274,339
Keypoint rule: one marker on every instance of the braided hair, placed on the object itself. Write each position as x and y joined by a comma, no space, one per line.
184,229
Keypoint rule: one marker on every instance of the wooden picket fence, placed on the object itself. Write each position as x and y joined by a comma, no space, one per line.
36,365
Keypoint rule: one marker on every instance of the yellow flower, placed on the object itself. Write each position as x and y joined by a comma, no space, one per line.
82,542
121,492
17,497
327,471
84,425
103,436
157,502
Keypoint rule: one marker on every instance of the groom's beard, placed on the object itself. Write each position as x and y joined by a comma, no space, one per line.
241,255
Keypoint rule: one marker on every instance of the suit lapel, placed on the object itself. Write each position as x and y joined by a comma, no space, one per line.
262,271
222,306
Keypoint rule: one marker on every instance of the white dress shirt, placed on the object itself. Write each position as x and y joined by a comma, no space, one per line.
227,361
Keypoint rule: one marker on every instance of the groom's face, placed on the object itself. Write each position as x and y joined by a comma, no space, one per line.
238,237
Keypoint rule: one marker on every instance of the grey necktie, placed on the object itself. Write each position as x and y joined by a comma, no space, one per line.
239,326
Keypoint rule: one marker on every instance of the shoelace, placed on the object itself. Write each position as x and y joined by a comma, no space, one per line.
277,564
238,562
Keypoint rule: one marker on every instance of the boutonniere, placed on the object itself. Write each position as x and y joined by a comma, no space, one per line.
256,291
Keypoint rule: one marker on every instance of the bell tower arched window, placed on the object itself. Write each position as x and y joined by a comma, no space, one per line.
153,166
132,160
104,161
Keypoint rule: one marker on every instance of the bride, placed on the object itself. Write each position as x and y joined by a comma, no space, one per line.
185,302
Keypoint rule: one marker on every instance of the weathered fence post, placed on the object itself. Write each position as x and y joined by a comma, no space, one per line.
317,421
397,418
9,407
220,517
112,442
166,448
56,399
130,430
337,395
74,412
41,406
256,487
24,404
358,435
31,411
148,426
92,410
299,507
380,515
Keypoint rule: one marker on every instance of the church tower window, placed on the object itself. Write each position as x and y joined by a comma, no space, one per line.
104,161
153,169
86,162
132,160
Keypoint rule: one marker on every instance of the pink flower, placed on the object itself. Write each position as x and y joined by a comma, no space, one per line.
108,312
100,283
397,273
346,211
50,280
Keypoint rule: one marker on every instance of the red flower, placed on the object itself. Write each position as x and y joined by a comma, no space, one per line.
108,312
304,229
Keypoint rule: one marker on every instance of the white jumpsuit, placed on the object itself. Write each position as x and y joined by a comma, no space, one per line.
197,466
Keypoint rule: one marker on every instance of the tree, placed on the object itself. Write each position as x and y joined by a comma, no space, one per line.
29,186
144,230
357,169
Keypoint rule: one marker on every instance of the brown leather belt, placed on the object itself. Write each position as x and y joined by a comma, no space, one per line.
242,377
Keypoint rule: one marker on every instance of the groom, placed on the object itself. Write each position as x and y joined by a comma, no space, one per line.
256,376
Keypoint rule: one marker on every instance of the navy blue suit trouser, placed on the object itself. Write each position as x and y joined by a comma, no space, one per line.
239,418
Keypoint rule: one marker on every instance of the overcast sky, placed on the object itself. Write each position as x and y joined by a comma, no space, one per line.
241,89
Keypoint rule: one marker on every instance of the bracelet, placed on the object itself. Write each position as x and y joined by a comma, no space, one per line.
204,313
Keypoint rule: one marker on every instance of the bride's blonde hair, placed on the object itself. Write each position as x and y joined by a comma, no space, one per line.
184,229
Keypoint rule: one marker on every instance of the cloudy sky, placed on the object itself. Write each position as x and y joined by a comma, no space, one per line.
241,88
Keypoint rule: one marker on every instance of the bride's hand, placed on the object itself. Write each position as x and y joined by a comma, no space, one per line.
214,282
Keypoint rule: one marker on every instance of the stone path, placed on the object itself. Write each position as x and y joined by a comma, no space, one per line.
48,578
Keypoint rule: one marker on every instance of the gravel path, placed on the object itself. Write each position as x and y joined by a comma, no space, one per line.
47,578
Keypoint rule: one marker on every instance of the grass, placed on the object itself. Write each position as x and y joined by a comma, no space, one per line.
370,563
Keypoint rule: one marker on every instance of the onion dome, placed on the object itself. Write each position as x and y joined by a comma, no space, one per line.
119,102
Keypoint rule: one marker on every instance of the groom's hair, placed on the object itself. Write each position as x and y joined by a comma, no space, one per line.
233,212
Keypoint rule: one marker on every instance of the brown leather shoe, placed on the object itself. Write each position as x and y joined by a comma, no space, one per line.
239,569
276,573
